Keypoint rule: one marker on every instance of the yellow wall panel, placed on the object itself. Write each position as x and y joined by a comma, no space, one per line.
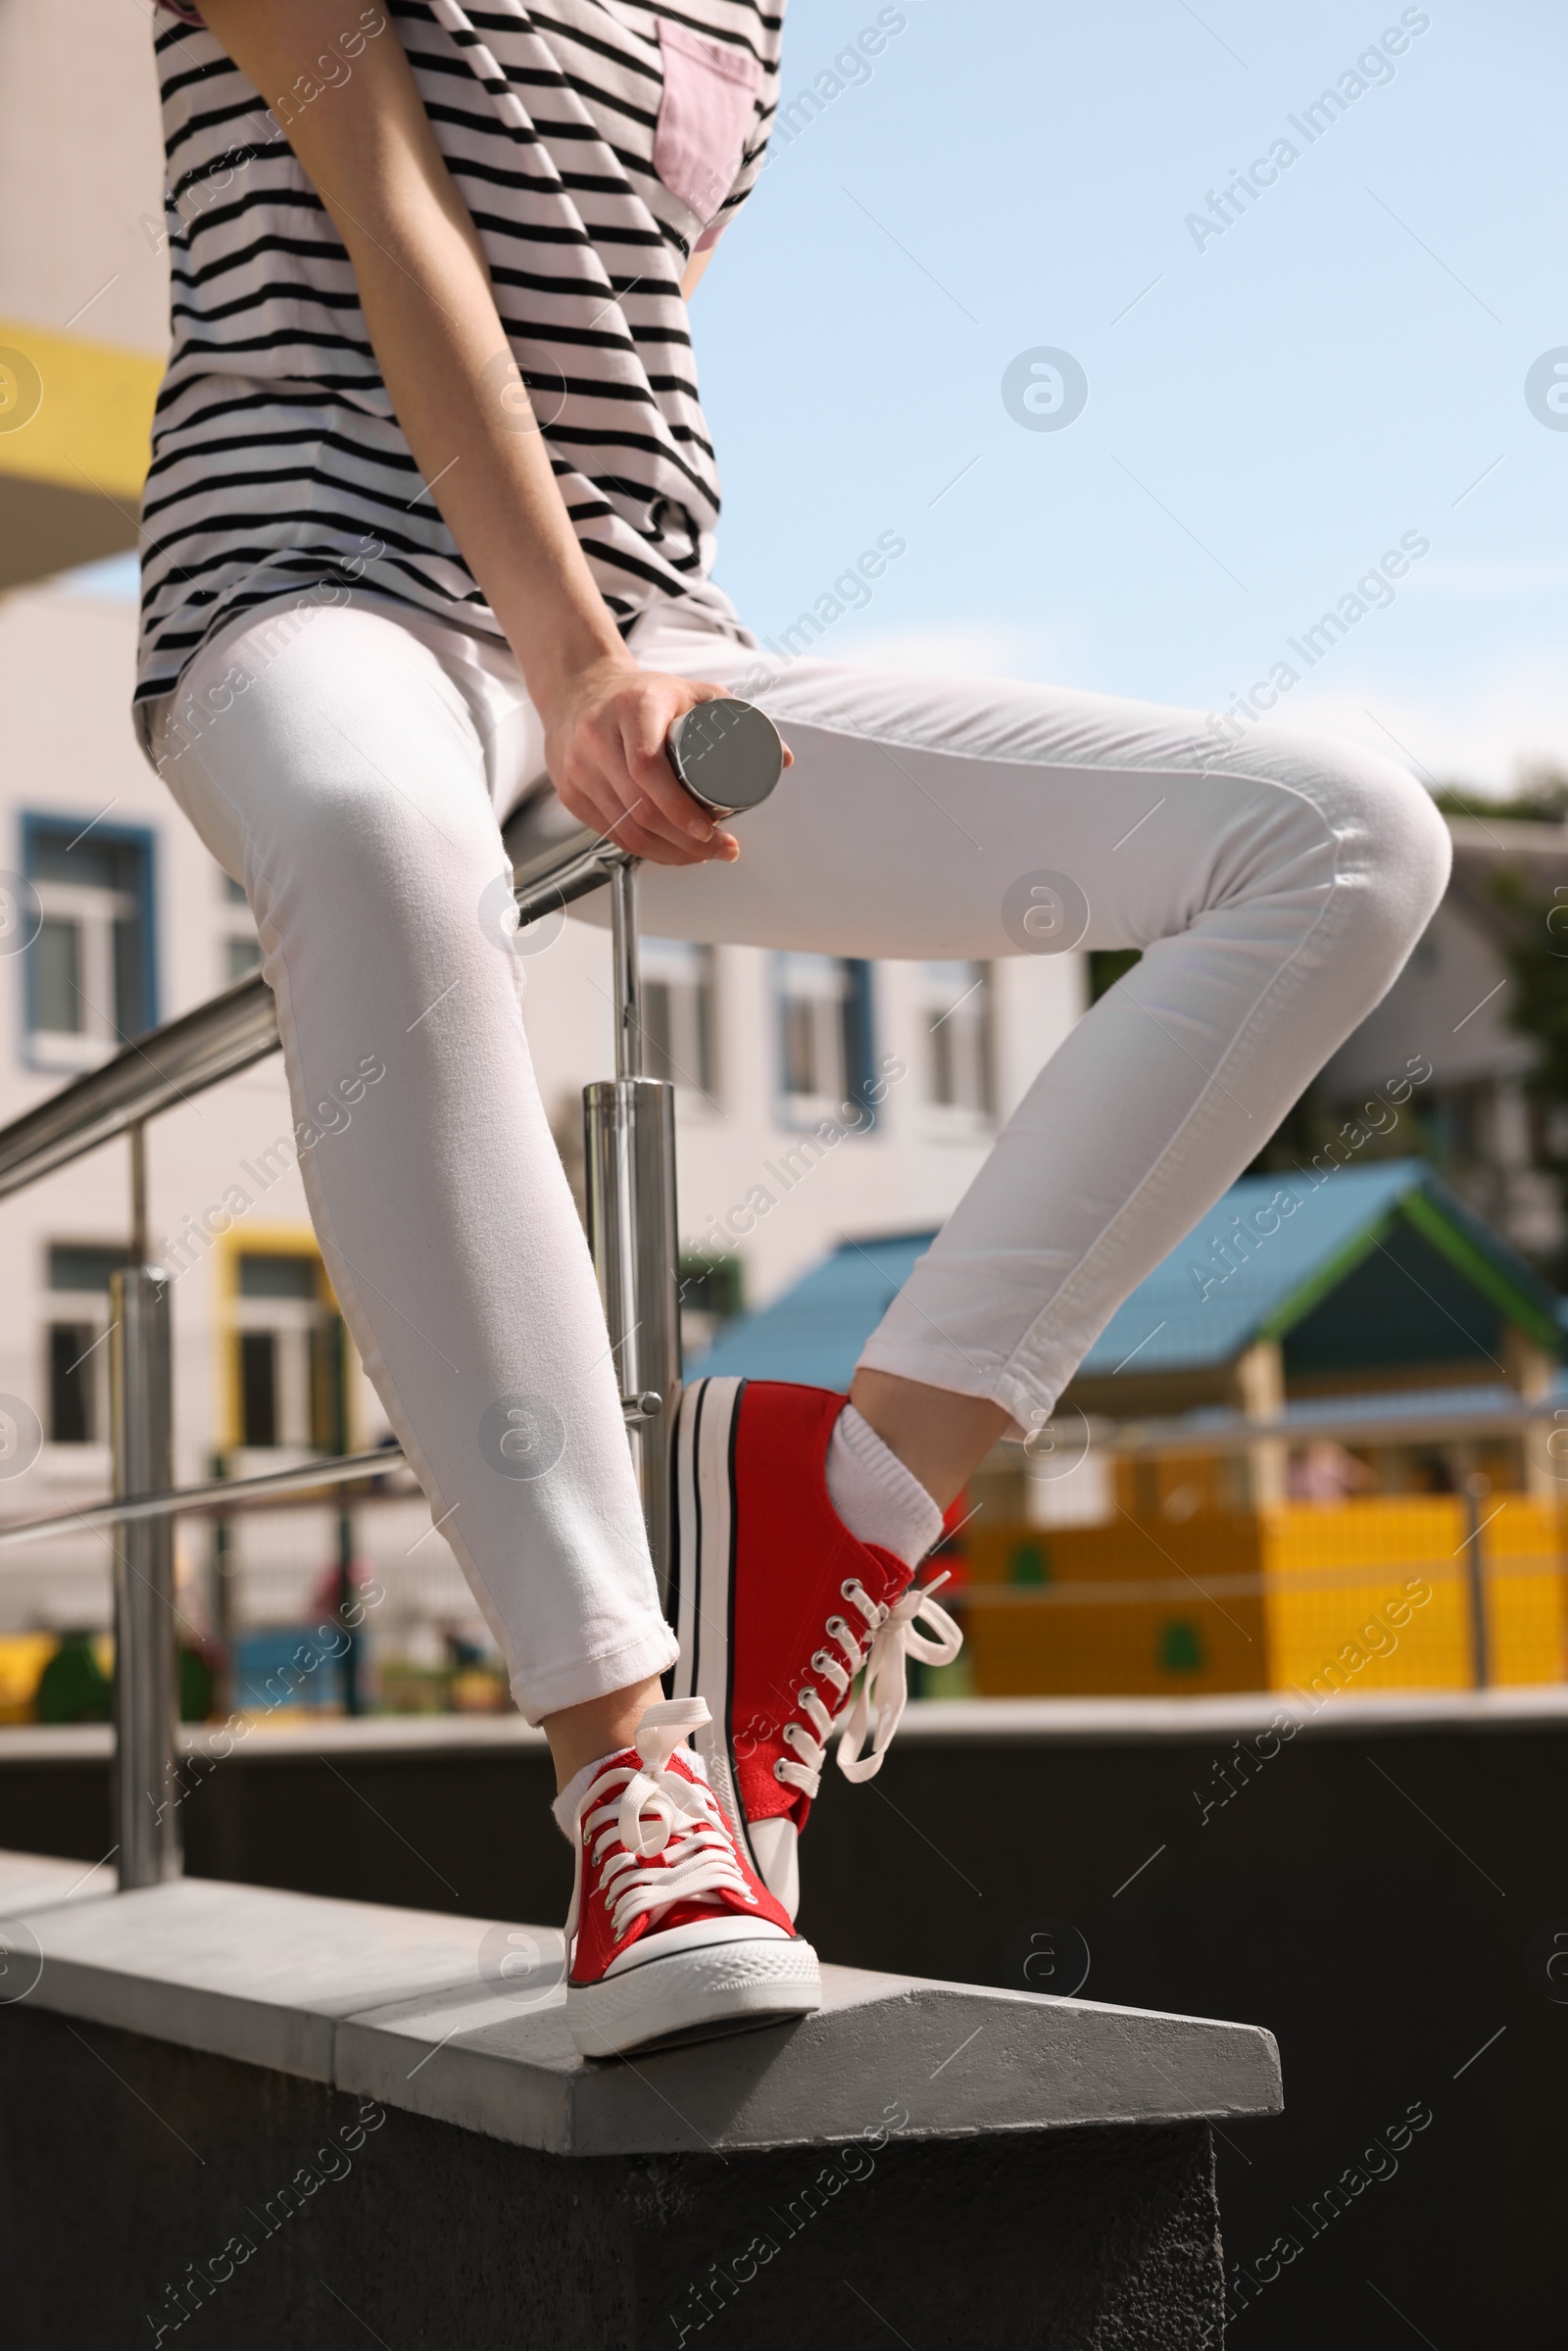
75,412
1345,1600
1527,1593
1189,1633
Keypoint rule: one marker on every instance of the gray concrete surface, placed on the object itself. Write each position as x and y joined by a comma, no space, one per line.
927,1722
150,2193
462,2020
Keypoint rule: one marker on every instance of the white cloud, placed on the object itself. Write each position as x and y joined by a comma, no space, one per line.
1486,727
1488,576
960,648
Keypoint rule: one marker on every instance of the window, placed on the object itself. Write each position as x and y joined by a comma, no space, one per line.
72,1398
288,1355
241,950
678,1012
956,1015
84,1264
824,1004
1461,1120
90,969
77,1345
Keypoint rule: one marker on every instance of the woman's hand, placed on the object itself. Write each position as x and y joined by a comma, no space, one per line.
424,290
605,733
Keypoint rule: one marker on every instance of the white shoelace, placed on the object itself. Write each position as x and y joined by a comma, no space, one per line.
882,1644
653,1814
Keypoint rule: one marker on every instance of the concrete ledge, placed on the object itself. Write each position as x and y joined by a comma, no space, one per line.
146,2188
927,1722
462,2020
38,1881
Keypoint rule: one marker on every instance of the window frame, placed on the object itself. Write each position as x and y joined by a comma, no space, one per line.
798,1113
697,982
52,1050
79,1307
959,1121
310,1345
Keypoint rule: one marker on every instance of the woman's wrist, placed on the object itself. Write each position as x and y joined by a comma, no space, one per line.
557,671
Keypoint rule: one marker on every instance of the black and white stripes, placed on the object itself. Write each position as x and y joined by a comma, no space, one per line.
277,463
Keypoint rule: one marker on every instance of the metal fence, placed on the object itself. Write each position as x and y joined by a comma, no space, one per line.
1200,1564
1198,1571
728,755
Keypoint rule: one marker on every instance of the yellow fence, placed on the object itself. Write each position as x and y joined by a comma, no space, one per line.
1356,1596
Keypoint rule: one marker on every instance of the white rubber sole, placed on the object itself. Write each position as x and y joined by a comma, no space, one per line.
704,1450
693,1995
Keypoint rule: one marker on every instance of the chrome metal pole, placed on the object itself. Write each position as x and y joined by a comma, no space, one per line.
628,983
146,1663
629,1132
138,1134
1474,1488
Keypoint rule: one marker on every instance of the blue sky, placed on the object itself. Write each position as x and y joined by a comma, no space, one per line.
1343,365
1271,405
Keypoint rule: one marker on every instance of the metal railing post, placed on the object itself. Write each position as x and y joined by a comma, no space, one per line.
729,758
146,1659
1474,1486
629,1137
728,755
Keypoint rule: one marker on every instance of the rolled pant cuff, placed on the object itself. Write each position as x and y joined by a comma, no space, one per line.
653,1651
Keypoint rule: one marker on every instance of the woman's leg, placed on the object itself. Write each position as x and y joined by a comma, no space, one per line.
1276,887
345,782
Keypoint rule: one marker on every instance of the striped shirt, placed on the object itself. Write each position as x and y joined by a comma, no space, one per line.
597,144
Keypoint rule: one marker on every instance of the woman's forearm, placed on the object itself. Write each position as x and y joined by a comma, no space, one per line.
425,293
469,421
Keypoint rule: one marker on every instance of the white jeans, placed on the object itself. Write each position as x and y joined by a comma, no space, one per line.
353,769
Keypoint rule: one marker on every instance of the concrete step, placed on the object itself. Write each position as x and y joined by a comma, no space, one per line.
458,2025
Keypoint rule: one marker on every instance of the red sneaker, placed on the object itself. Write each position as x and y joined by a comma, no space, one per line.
777,1608
670,1935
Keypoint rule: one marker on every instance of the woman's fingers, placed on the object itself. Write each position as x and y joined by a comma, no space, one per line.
723,848
644,719
593,798
615,774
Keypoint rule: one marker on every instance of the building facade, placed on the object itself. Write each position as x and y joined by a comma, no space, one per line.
816,1098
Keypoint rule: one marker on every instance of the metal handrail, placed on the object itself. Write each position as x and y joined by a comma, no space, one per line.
152,1073
169,1065
555,862
1187,1435
217,1493
1168,1440
728,757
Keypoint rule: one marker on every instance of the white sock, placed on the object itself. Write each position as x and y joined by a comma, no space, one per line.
566,1805
878,1499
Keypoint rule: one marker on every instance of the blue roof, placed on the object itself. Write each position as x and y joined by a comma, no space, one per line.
1170,1324
816,1331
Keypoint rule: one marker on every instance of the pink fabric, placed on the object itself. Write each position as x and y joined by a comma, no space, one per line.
710,98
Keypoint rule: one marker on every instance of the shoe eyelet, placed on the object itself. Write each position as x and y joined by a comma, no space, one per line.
778,1769
849,1587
